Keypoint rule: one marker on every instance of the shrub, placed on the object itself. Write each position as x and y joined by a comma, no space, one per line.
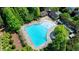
13,47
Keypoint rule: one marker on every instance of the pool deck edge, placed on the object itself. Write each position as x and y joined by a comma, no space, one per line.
28,40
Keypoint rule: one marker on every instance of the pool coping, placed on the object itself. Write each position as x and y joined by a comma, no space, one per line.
27,39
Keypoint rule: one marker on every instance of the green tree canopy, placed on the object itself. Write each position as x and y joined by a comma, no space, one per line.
61,36
5,39
24,13
76,47
37,11
65,15
54,8
60,29
77,26
34,11
1,21
12,21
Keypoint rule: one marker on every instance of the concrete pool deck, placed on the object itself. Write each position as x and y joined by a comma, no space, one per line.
26,37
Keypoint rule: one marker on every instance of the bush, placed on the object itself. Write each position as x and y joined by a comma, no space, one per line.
11,42
13,47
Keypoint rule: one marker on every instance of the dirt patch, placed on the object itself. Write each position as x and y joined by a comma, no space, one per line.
1,31
16,41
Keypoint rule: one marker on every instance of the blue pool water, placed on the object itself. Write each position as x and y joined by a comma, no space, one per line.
37,33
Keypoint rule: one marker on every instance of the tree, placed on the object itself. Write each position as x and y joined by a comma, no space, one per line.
61,36
54,8
73,14
73,44
24,14
64,10
34,11
75,18
15,12
37,11
61,29
76,47
77,26
12,21
65,16
1,22
26,48
5,39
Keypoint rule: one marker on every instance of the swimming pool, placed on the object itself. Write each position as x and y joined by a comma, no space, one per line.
38,32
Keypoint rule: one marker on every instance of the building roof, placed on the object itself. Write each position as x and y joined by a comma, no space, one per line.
71,8
52,14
